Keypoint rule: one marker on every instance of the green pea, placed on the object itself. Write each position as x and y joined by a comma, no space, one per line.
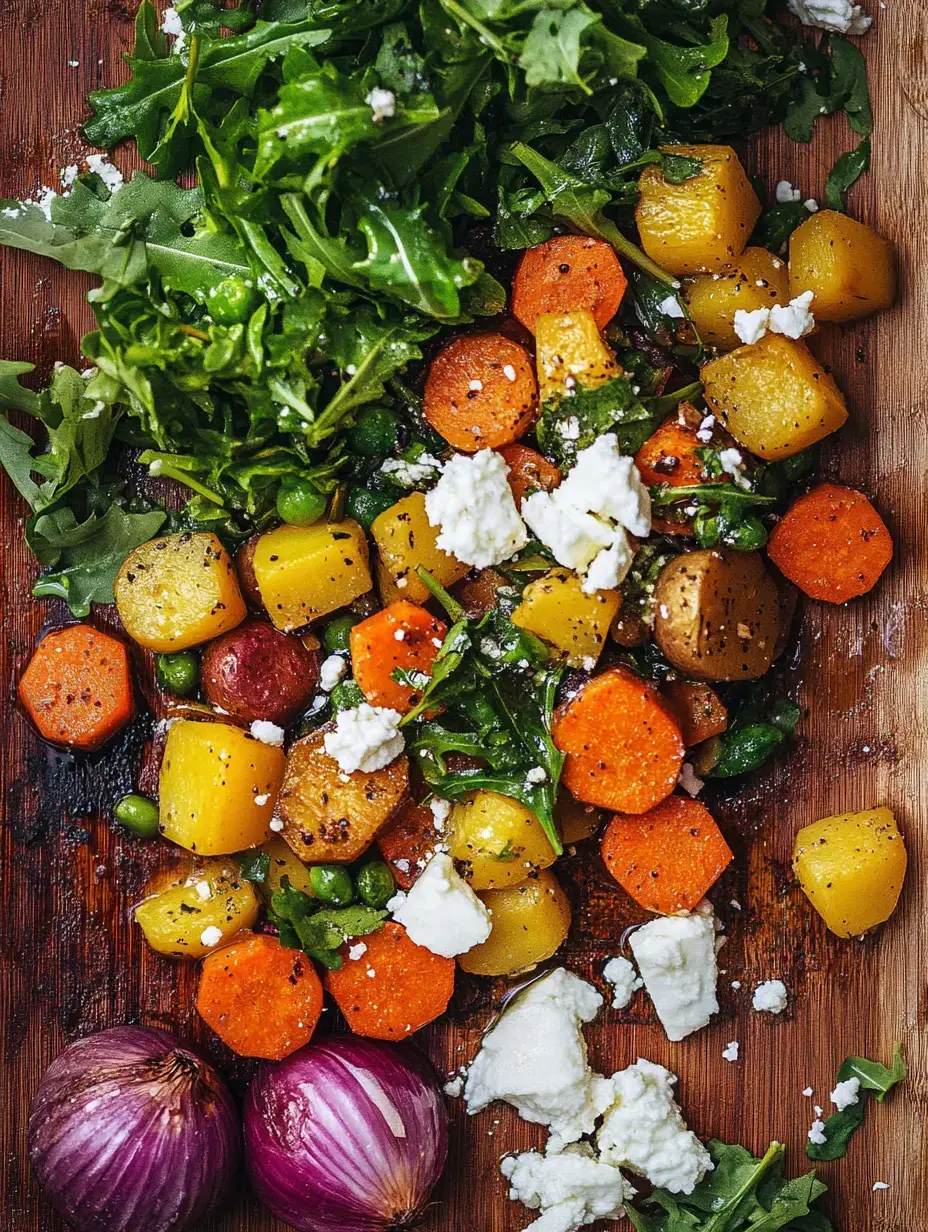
331,884
376,885
232,301
375,431
300,503
178,673
748,536
138,814
338,632
364,505
346,696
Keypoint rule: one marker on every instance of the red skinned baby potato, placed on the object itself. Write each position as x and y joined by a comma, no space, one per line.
257,672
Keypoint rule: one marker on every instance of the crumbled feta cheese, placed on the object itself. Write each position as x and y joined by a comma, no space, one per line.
704,432
786,194
441,911
731,462
817,1110
472,504
624,979
441,811
267,733
331,672
409,474
846,1093
817,1133
111,176
276,825
570,428
262,799
691,783
795,320
730,1053
751,326
172,23
808,1092
770,997
608,485
382,103
644,1130
69,175
575,539
537,774
203,890
365,738
509,372
571,1189
535,1059
811,205
879,1185
842,16
210,936
736,984
676,959
454,1087
357,951
670,307
399,635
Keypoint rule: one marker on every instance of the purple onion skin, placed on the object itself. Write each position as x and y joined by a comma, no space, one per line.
129,1132
347,1135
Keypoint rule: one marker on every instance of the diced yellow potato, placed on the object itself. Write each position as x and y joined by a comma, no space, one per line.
218,787
569,344
774,397
304,572
497,841
214,898
178,591
555,609
758,280
576,821
530,922
284,863
406,542
702,224
850,269
851,868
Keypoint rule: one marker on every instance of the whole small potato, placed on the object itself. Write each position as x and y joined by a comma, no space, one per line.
257,672
717,614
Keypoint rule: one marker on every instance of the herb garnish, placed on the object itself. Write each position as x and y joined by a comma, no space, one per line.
875,1079
320,931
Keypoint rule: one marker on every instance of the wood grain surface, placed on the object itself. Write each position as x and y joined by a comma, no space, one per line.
71,962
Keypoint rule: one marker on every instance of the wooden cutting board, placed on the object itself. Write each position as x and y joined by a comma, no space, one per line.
71,962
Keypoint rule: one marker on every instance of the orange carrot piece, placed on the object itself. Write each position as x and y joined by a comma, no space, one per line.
666,859
402,635
77,689
410,837
481,392
529,472
669,455
260,998
698,709
624,750
410,986
831,543
567,273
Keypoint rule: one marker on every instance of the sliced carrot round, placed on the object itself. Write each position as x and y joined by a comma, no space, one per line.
481,392
529,472
394,988
668,858
624,750
566,273
669,456
831,543
402,635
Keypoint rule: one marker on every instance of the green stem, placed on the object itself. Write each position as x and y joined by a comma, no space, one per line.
486,36
450,604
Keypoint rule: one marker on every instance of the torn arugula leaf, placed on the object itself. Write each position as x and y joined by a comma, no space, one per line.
844,174
573,423
875,1079
757,728
319,931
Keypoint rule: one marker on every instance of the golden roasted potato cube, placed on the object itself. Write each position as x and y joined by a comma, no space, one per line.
177,591
702,224
758,280
497,841
575,820
555,609
215,898
218,787
304,572
774,397
331,817
851,868
405,541
850,269
570,346
530,922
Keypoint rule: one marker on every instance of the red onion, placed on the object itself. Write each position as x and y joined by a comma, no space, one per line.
346,1135
129,1132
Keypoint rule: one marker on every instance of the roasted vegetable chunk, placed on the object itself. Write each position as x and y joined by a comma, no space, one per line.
530,922
215,903
405,541
757,280
571,352
555,609
497,841
850,269
304,572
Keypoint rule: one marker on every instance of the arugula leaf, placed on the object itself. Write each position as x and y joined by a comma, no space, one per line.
759,726
573,423
873,1078
320,931
254,866
684,72
847,171
777,224
840,83
552,49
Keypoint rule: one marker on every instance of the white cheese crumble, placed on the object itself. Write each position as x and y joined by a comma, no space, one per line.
69,176
203,890
751,326
846,1093
172,23
817,1133
689,780
210,936
570,1189
267,733
795,320
676,959
808,1092
537,774
786,194
409,474
365,738
111,176
732,462
535,1058
441,911
624,979
839,15
879,1185
382,103
770,997
262,799
670,307
644,1130
441,811
276,825
472,504
331,672
730,1052
357,951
